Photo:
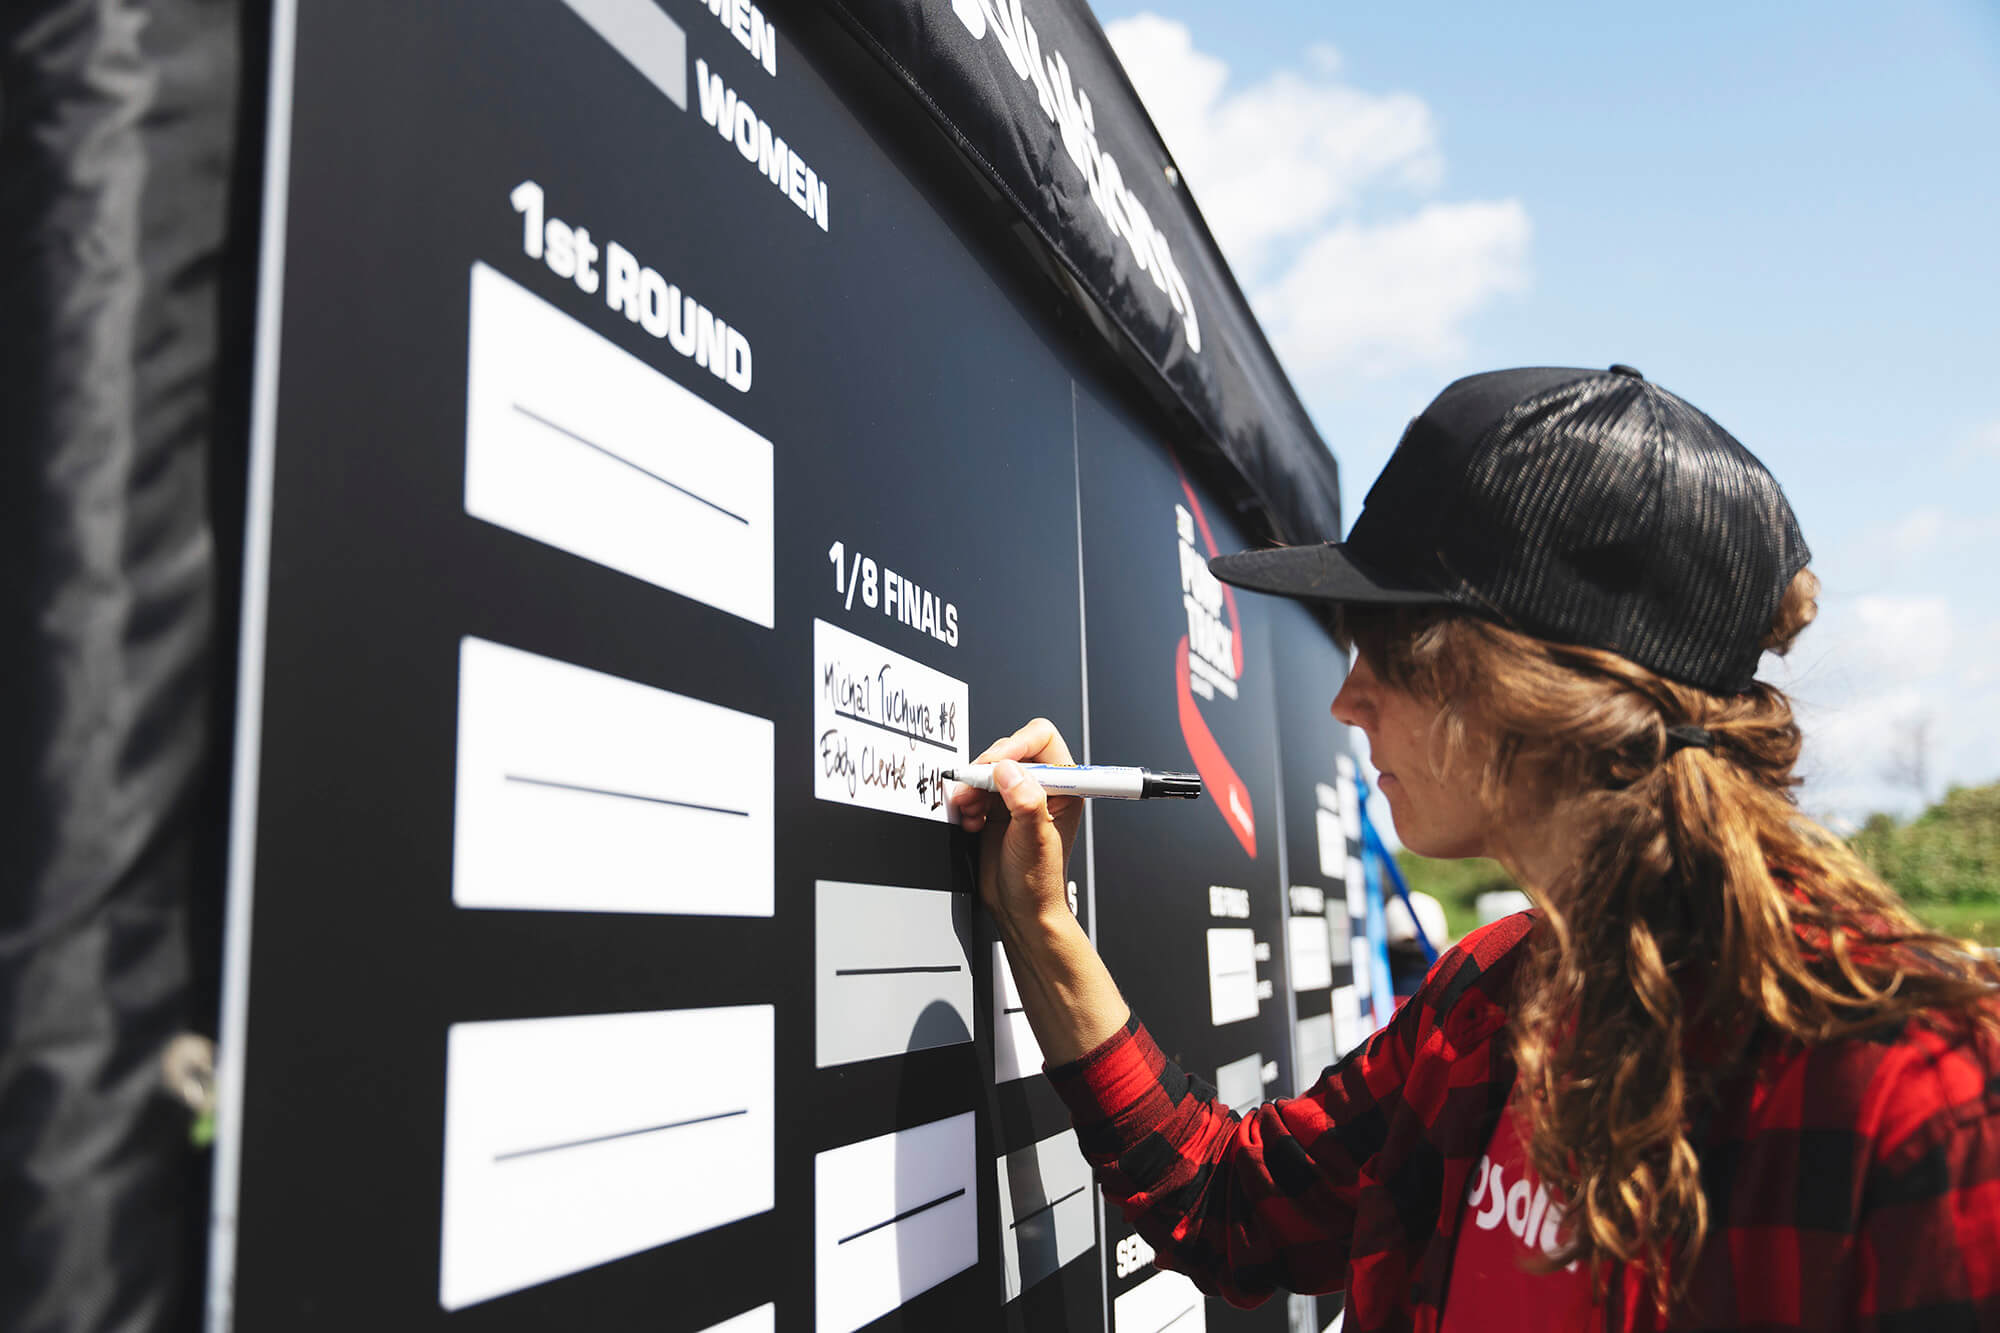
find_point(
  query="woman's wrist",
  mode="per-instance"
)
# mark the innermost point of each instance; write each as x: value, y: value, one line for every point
x: 1071, y: 1000
x: 1040, y: 926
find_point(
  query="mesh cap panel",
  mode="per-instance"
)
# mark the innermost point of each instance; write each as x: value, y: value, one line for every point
x: 1580, y: 506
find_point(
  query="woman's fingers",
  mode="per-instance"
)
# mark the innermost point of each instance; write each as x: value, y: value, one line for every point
x: 1032, y: 852
x: 970, y: 803
x: 1042, y: 744
x: 1036, y: 743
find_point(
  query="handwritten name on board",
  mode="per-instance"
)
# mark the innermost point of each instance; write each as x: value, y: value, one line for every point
x: 884, y: 727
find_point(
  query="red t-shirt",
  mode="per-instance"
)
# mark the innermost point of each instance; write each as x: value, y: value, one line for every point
x: 1508, y: 1213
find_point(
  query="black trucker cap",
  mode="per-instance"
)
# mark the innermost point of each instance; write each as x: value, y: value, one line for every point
x: 1581, y: 506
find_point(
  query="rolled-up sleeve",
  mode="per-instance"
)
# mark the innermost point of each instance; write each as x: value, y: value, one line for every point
x: 1244, y: 1205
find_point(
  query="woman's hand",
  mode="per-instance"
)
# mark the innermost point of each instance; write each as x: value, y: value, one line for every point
x: 1071, y: 1001
x: 1024, y: 857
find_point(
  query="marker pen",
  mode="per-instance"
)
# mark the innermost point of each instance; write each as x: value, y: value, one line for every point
x: 1131, y: 784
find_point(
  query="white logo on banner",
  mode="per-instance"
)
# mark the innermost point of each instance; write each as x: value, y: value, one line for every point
x: 1068, y: 109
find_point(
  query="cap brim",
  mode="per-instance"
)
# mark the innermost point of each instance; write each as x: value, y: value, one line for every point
x: 1325, y: 573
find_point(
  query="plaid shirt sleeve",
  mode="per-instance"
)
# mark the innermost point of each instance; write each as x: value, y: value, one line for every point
x: 1241, y: 1204
x: 1299, y: 1194
x: 1927, y: 1252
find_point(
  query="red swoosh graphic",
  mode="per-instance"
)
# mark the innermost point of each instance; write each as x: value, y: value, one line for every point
x: 1232, y: 798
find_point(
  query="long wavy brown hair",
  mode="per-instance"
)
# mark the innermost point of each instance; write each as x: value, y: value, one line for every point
x: 1700, y: 909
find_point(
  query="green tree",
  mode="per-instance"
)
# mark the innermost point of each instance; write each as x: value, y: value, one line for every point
x: 1945, y: 863
x: 1455, y: 884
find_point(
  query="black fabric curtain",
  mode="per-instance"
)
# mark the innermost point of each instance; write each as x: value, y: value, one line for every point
x: 123, y: 240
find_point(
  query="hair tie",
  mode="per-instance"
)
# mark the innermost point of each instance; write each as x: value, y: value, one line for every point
x: 1683, y: 737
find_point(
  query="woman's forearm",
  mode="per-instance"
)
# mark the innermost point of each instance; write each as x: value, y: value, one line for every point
x: 1025, y: 840
x: 1066, y: 991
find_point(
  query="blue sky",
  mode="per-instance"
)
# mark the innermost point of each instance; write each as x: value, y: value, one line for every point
x: 1785, y: 212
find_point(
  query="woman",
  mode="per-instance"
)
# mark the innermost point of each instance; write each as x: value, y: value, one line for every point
x: 1718, y: 1079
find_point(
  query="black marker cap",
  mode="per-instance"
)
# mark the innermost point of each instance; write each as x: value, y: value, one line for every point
x: 1184, y: 785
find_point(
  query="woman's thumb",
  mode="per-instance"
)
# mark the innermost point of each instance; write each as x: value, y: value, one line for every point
x: 1023, y: 795
x: 1033, y: 840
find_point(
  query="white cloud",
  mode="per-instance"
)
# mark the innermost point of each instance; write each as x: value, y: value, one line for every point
x: 1376, y: 299
x: 1906, y: 637
x: 1984, y: 441
x: 1915, y: 533
x: 1923, y: 643
x: 1315, y: 191
x: 1275, y: 160
x: 1981, y: 669
x: 1868, y: 675
x: 1929, y: 532
x: 1847, y: 748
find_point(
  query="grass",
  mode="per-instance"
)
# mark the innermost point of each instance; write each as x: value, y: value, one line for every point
x: 1972, y: 919
x: 1977, y: 920
x: 1455, y: 884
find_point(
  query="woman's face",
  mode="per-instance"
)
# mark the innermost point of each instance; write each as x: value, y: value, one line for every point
x: 1432, y: 798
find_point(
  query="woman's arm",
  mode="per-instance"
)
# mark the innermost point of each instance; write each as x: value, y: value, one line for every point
x: 1242, y: 1205
x: 1069, y: 997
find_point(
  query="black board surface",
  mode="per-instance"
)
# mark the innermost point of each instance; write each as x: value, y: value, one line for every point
x: 636, y: 529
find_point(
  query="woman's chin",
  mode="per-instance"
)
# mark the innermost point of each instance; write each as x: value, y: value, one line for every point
x: 1412, y: 838
x: 1437, y: 845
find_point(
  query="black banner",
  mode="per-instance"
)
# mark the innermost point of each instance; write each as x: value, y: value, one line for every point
x: 1033, y: 95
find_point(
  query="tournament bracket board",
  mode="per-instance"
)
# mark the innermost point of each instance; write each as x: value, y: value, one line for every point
x: 622, y: 571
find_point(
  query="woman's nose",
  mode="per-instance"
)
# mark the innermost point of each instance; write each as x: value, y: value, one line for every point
x: 1353, y: 705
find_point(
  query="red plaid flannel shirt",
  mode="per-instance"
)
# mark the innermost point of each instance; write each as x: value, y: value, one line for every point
x: 1854, y: 1185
